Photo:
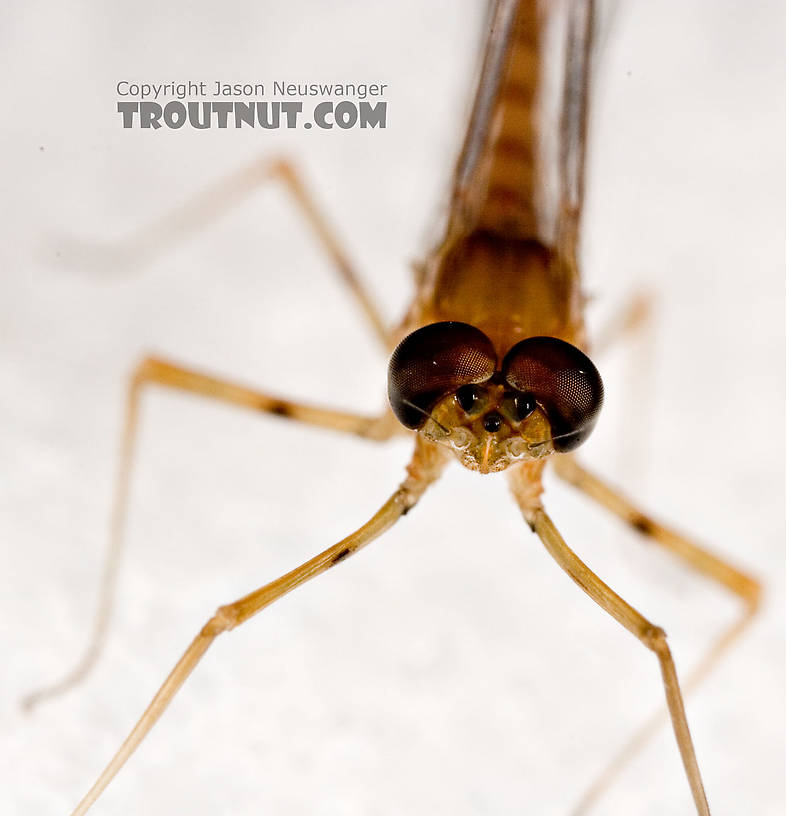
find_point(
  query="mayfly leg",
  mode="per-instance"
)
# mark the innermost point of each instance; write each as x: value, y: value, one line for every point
x: 425, y: 468
x: 152, y: 371
x: 155, y: 238
x: 222, y: 196
x: 650, y: 635
x: 705, y: 563
x: 633, y: 317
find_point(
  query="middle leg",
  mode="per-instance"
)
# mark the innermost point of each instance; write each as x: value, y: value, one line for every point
x: 154, y: 371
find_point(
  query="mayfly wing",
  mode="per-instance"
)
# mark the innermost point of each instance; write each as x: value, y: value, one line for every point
x: 521, y: 168
x: 498, y: 169
x: 573, y: 126
x: 512, y: 230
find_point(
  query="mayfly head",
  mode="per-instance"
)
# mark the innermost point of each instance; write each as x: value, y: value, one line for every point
x: 445, y: 382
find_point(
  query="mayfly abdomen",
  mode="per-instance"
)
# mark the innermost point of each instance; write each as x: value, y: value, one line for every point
x: 507, y: 263
x: 499, y: 171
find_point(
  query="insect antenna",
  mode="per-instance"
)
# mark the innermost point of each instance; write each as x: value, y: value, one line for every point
x: 426, y: 414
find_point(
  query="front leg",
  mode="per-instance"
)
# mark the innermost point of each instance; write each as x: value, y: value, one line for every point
x: 425, y: 467
x: 653, y: 637
x: 692, y: 555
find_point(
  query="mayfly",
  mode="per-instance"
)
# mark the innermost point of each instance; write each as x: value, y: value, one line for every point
x: 490, y: 365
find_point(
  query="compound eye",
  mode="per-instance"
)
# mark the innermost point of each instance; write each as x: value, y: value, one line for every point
x: 433, y: 362
x: 563, y: 380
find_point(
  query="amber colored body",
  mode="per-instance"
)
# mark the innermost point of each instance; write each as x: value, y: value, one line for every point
x: 507, y: 267
x: 506, y: 264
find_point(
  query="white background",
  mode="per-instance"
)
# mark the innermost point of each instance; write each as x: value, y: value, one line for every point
x: 451, y: 667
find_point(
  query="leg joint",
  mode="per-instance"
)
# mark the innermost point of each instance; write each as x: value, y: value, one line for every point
x: 282, y: 168
x: 224, y: 619
x: 753, y: 593
x: 146, y: 370
x: 654, y: 638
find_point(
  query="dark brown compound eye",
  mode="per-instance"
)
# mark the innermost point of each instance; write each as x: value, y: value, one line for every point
x: 431, y: 363
x: 563, y: 380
